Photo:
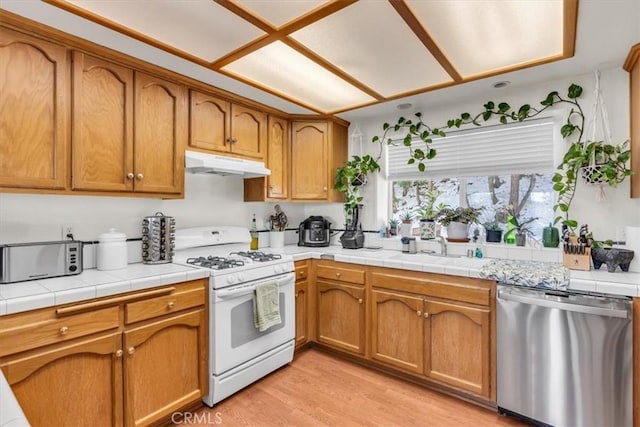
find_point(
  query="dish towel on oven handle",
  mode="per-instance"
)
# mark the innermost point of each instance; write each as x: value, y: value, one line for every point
x: 266, y: 306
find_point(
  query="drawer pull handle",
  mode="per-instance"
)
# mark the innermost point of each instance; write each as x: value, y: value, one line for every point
x: 64, y: 330
x: 419, y: 313
x: 131, y: 350
x: 119, y: 353
x: 360, y: 301
x: 170, y: 305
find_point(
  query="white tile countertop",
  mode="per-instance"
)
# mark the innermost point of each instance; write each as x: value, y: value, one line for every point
x: 92, y: 283
x: 601, y: 281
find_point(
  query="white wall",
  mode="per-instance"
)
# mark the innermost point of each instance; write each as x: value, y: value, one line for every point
x: 209, y: 200
x: 606, y: 219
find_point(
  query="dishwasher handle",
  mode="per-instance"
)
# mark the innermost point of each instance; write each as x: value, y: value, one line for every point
x: 578, y: 308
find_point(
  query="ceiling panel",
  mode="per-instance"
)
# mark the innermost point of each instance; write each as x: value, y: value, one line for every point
x: 331, y: 56
x: 482, y: 36
x: 201, y: 28
x: 380, y: 51
x: 279, y: 12
x: 283, y: 70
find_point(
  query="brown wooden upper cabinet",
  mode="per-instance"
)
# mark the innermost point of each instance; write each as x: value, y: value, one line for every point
x: 632, y: 65
x: 220, y: 126
x: 317, y: 149
x: 34, y: 112
x: 276, y: 185
x: 129, y: 129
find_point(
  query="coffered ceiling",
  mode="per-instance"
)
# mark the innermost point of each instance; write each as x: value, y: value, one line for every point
x: 331, y: 56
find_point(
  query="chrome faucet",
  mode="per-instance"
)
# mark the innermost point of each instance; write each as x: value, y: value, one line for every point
x: 443, y: 245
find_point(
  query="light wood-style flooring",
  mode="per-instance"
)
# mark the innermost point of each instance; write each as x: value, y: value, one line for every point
x: 319, y: 389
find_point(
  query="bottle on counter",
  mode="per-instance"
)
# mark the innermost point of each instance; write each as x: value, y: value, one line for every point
x: 254, y: 234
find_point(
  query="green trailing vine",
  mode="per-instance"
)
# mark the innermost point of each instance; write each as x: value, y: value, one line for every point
x: 418, y: 137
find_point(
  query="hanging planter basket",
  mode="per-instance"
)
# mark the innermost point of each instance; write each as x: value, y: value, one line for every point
x: 595, y: 174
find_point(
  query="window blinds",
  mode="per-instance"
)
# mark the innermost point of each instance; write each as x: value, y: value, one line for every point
x: 521, y: 148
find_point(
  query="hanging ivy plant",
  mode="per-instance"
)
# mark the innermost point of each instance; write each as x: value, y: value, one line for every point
x: 418, y: 136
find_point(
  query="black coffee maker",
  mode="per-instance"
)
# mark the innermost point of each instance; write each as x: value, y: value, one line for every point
x: 353, y: 236
x: 314, y: 231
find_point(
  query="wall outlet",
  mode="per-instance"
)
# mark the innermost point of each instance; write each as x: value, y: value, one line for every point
x: 66, y: 232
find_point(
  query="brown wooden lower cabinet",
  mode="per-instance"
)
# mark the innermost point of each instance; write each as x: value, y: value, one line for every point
x: 77, y: 384
x: 114, y: 374
x: 302, y: 308
x: 341, y: 316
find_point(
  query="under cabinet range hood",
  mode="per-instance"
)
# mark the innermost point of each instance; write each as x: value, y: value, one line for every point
x: 197, y: 162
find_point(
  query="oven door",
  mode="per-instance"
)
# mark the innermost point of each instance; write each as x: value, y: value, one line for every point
x: 234, y: 337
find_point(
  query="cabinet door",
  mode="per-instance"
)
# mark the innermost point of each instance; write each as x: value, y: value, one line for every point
x: 78, y: 384
x: 457, y: 345
x: 34, y: 105
x: 210, y: 122
x: 397, y: 330
x: 102, y: 141
x: 160, y: 135
x: 278, y: 158
x: 341, y: 316
x: 165, y: 367
x: 302, y: 313
x: 248, y: 132
x: 309, y: 160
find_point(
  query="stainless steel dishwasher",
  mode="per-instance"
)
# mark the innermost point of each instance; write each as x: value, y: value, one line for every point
x: 564, y: 359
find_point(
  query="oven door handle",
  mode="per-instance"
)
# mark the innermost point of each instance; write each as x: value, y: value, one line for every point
x: 248, y: 289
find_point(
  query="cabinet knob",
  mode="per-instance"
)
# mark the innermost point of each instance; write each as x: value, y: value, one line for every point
x: 139, y: 177
x: 324, y: 188
x: 119, y: 353
x: 338, y: 274
x: 170, y: 304
x: 64, y: 330
x: 419, y: 313
x: 130, y: 175
x: 131, y: 350
x: 360, y: 301
x: 426, y: 314
x: 297, y: 293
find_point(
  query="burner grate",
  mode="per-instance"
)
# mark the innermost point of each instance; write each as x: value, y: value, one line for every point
x: 215, y: 262
x: 257, y: 256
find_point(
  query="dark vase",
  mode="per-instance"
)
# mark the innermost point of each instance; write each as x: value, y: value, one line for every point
x: 494, y: 236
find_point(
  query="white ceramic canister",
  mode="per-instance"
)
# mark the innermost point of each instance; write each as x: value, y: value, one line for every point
x: 112, y: 250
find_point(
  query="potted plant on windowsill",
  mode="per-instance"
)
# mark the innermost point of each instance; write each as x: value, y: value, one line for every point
x: 426, y: 213
x: 494, y: 231
x: 406, y: 228
x: 457, y: 221
x: 520, y: 227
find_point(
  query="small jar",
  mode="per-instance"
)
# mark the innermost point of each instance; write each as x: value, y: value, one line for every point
x: 112, y: 250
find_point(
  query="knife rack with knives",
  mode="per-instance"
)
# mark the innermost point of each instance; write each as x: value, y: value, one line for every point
x: 577, y: 250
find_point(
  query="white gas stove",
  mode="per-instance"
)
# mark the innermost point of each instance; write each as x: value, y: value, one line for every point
x: 239, y: 353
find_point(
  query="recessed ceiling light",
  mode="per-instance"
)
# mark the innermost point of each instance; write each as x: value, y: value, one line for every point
x: 503, y: 83
x: 404, y: 106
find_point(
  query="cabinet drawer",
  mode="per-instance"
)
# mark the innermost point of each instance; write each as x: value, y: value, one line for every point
x: 302, y: 271
x: 50, y: 331
x: 150, y: 308
x: 349, y: 275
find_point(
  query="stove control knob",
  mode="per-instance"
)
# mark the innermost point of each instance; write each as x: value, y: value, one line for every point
x: 277, y: 268
x: 231, y: 279
x: 241, y: 277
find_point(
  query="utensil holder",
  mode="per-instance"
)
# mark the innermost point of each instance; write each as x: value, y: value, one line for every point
x: 158, y: 239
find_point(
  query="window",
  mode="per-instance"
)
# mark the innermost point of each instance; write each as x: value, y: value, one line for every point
x: 489, y: 168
